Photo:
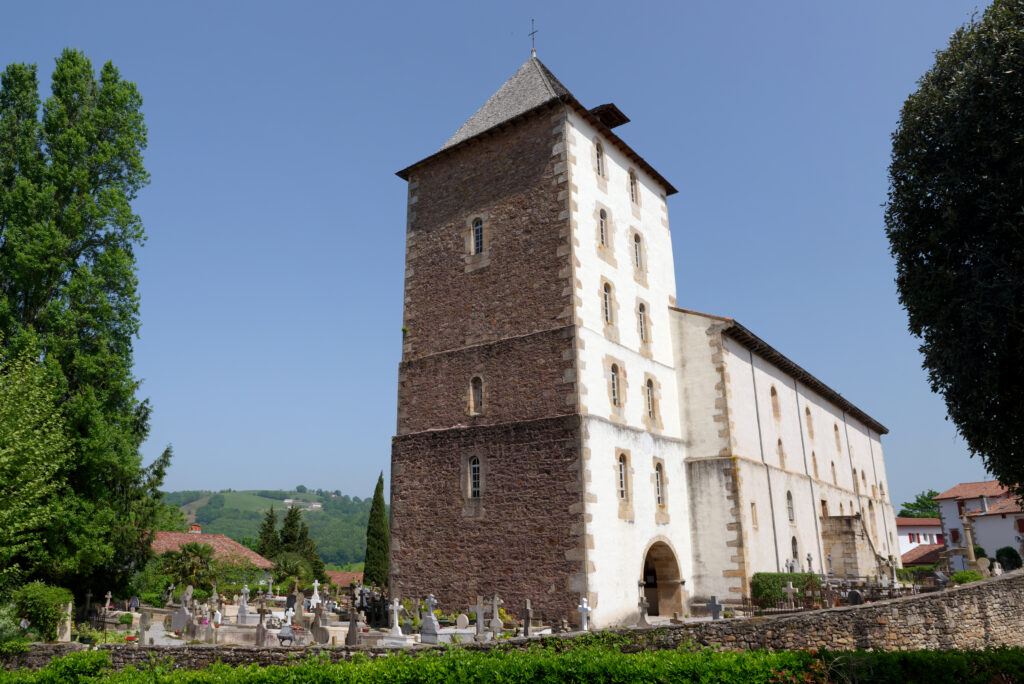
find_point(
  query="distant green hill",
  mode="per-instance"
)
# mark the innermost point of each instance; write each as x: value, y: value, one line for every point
x: 339, y: 529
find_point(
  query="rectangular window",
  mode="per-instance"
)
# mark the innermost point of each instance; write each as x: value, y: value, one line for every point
x: 1020, y: 525
x: 940, y: 539
x: 478, y: 238
x: 954, y: 536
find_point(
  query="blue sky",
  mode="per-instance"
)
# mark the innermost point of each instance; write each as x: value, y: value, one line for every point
x: 271, y: 281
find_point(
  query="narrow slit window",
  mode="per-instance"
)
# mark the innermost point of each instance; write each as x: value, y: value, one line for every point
x: 814, y: 465
x: 634, y: 194
x: 478, y: 236
x: 835, y: 480
x: 641, y: 313
x: 602, y: 222
x: 607, y: 303
x: 477, y: 392
x: 789, y: 506
x: 638, y: 260
x: 615, y: 385
x: 474, y: 478
x: 600, y: 159
x: 650, y: 399
x: 658, y: 485
x: 622, y: 477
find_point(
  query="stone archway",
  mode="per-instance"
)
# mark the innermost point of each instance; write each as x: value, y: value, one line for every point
x: 661, y: 581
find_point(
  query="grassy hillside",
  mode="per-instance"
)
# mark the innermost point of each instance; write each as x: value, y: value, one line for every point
x: 339, y: 530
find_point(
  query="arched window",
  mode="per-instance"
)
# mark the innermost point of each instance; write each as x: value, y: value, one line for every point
x: 782, y: 455
x: 839, y: 445
x: 835, y: 480
x: 814, y: 465
x: 789, y: 506
x: 478, y: 236
x: 796, y: 550
x: 809, y: 421
x: 622, y: 477
x: 881, y: 489
x: 641, y: 313
x: 753, y: 514
x: 474, y: 478
x: 638, y: 259
x: 864, y: 481
x: 602, y: 223
x: 856, y: 485
x: 874, y: 492
x: 776, y: 409
x: 650, y: 398
x: 841, y: 509
x: 607, y: 289
x: 615, y: 385
x: 634, y: 191
x: 476, y: 386
x: 871, y: 518
x: 600, y: 159
x: 658, y: 485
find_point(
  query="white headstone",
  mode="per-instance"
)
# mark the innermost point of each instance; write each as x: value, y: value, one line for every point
x: 396, y: 623
x: 584, y: 609
x: 288, y: 615
x: 315, y: 600
x: 462, y: 621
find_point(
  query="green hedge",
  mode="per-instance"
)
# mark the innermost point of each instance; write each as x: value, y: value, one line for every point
x: 589, y: 663
x: 965, y: 576
x: 44, y: 606
x: 766, y: 587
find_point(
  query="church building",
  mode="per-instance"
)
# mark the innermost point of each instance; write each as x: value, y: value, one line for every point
x: 565, y: 429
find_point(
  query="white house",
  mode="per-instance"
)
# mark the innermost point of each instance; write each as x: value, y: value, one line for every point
x: 973, y: 501
x: 912, y: 532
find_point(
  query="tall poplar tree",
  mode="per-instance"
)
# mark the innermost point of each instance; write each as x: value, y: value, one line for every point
x: 378, y: 539
x: 69, y: 171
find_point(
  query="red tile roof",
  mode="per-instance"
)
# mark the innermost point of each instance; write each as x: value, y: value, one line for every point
x: 1001, y: 507
x: 973, y: 490
x: 925, y: 554
x: 223, y: 547
x: 343, y: 578
x: 918, y: 522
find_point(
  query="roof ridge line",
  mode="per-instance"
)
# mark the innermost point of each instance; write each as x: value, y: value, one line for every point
x: 543, y: 78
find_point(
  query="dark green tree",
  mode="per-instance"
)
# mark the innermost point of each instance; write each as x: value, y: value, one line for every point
x: 1008, y: 558
x: 291, y: 530
x: 956, y: 229
x: 193, y: 564
x: 269, y: 544
x: 378, y: 539
x: 924, y: 505
x: 69, y: 171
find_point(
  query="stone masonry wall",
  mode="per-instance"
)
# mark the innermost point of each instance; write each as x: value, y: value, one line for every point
x: 523, y: 540
x: 524, y: 378
x: 522, y: 282
x: 973, y: 616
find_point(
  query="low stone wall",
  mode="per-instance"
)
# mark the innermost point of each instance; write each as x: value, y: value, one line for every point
x: 972, y: 616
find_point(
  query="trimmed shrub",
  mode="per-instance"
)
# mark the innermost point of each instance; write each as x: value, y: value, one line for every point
x: 979, y: 552
x: 965, y: 576
x: 1008, y: 558
x: 766, y: 587
x: 43, y: 605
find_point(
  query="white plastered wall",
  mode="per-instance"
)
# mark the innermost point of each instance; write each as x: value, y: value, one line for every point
x: 615, y: 558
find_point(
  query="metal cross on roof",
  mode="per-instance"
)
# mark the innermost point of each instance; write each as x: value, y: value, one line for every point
x: 533, y: 42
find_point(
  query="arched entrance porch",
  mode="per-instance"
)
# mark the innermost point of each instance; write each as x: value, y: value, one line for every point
x: 662, y: 581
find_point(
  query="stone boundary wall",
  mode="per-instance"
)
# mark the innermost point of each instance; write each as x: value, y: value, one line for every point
x: 972, y: 616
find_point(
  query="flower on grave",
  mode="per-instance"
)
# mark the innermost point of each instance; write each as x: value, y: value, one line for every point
x: 206, y: 622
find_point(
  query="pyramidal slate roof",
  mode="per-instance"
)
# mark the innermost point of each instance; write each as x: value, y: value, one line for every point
x: 530, y: 87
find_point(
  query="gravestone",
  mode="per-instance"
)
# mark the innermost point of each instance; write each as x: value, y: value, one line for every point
x: 584, y: 609
x: 64, y: 630
x: 106, y: 605
x: 286, y: 634
x: 641, y: 621
x: 462, y: 621
x: 854, y: 597
x: 314, y: 600
x: 495, y: 624
x: 288, y: 615
x: 715, y: 607
x: 396, y: 623
x: 429, y: 626
x: 261, y: 635
x: 527, y: 618
x: 217, y: 617
x: 210, y: 633
x: 317, y: 630
x: 183, y: 617
x: 478, y: 610
x: 289, y: 603
x: 242, y: 616
x: 983, y: 567
x: 133, y: 603
x: 145, y: 622
x: 352, y: 638
x: 997, y: 569
x: 789, y: 591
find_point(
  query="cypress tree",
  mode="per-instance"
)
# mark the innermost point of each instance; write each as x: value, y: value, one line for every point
x: 378, y: 539
x: 269, y: 544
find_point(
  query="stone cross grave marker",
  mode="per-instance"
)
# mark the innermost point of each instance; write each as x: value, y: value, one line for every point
x: 242, y: 617
x: 317, y: 629
x: 496, y: 626
x: 716, y: 608
x: 462, y: 621
x: 479, y: 609
x: 644, y: 605
x: 288, y: 615
x: 429, y: 627
x: 789, y: 591
x: 810, y: 563
x: 396, y: 623
x: 217, y: 617
x: 527, y: 618
x: 584, y: 609
x: 830, y: 570
x: 106, y: 605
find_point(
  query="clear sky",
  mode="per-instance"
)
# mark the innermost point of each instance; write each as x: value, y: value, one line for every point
x: 271, y: 281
